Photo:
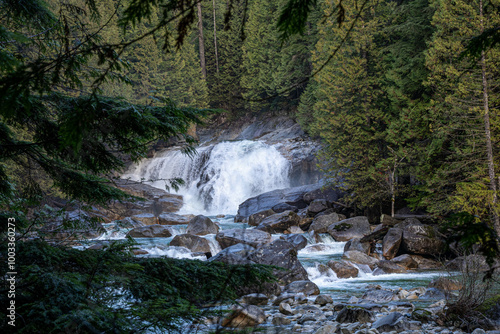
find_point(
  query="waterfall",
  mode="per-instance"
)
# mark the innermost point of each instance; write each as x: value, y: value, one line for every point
x: 219, y: 177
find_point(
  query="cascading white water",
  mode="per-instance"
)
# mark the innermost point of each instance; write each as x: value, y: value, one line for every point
x: 219, y: 177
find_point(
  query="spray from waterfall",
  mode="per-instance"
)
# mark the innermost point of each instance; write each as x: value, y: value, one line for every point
x: 219, y: 177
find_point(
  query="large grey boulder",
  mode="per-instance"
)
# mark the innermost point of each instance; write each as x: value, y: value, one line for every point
x: 172, y: 219
x: 317, y: 206
x: 326, y: 193
x: 343, y: 269
x: 421, y: 239
x: 236, y: 254
x: 356, y: 244
x: 320, y: 224
x: 355, y: 314
x: 235, y: 236
x: 306, y: 287
x: 405, y: 261
x: 201, y: 225
x: 348, y: 229
x: 191, y: 242
x: 293, y: 196
x: 392, y: 242
x: 256, y: 218
x: 282, y: 254
x: 150, y: 231
x: 360, y: 258
x: 297, y: 240
x: 244, y: 316
x: 279, y: 222
x: 390, y: 267
x: 392, y: 322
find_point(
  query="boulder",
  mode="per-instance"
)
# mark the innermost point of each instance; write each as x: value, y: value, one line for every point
x: 379, y: 295
x: 256, y: 218
x: 191, y: 242
x: 201, y: 225
x: 361, y: 258
x: 282, y: 207
x: 244, y: 316
x: 150, y: 231
x: 306, y: 287
x: 433, y: 293
x: 355, y: 244
x: 405, y: 261
x: 235, y: 236
x: 146, y: 218
x: 255, y: 299
x: 421, y: 239
x: 426, y: 263
x: 317, y: 206
x: 390, y: 267
x: 392, y: 242
x: 327, y: 193
x: 322, y: 300
x: 320, y: 224
x: 279, y: 222
x: 471, y: 263
x: 445, y: 284
x: 293, y: 196
x: 328, y: 328
x: 389, y: 323
x: 348, y: 229
x: 235, y: 254
x: 171, y: 203
x: 172, y: 219
x: 285, y: 309
x: 282, y: 254
x: 343, y: 269
x: 297, y: 240
x: 355, y: 314
x: 280, y: 320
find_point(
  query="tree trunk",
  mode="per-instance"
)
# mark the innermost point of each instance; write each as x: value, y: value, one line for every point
x: 215, y: 41
x: 201, y: 42
x: 487, y: 131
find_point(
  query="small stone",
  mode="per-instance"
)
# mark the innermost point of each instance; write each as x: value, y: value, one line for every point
x: 255, y: 299
x: 285, y: 309
x: 323, y: 300
x: 280, y: 320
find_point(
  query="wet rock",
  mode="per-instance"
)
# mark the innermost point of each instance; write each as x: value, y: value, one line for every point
x: 321, y: 223
x: 282, y: 207
x: 151, y: 231
x: 426, y: 263
x: 250, y: 237
x: 307, y: 317
x: 433, y: 293
x: 280, y: 320
x: 255, y: 299
x: 405, y: 261
x: 244, y: 316
x: 305, y: 223
x: 392, y: 242
x: 355, y: 244
x: 389, y: 323
x: 172, y: 219
x: 328, y: 329
x: 294, y: 230
x: 421, y: 239
x: 306, y: 287
x: 445, y: 284
x: 379, y: 295
x: 348, y: 229
x: 76, y: 227
x: 201, y: 225
x: 297, y: 240
x: 191, y: 242
x: 354, y: 314
x: 317, y: 206
x: 282, y: 254
x: 390, y: 267
x: 279, y: 222
x: 235, y: 254
x: 359, y: 257
x: 285, y: 309
x: 169, y: 203
x: 329, y: 194
x: 146, y: 218
x: 323, y: 300
x: 256, y: 218
x: 343, y: 269
x: 284, y: 297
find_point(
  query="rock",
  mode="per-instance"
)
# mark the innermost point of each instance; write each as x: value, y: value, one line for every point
x: 305, y: 223
x: 282, y: 207
x: 379, y: 295
x: 294, y: 230
x: 172, y: 219
x: 343, y: 269
x: 317, y: 248
x: 168, y: 203
x: 421, y: 239
x: 389, y: 323
x: 306, y: 287
x: 321, y: 223
x: 235, y: 254
x: 327, y: 193
x: 432, y: 293
x: 279, y: 222
x: 244, y: 316
x: 307, y: 317
x: 392, y: 242
x: 354, y: 314
x: 317, y: 206
x: 151, y: 231
x: 362, y: 258
x: 284, y: 297
x: 297, y: 240
x: 390, y: 267
x: 283, y: 254
x: 323, y: 300
x: 405, y: 261
x: 445, y: 284
x: 328, y: 329
x: 387, y: 220
x: 479, y: 331
x: 265, y: 201
x: 256, y: 218
x: 77, y: 226
x: 201, y: 225
x: 348, y: 229
x: 474, y: 262
x: 146, y: 218
x: 425, y: 263
x: 191, y: 242
x: 421, y: 315
x: 280, y: 320
x: 285, y: 309
x: 250, y: 237
x: 355, y: 244
x: 255, y: 299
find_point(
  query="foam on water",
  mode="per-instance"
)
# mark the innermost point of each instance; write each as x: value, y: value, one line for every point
x: 174, y: 252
